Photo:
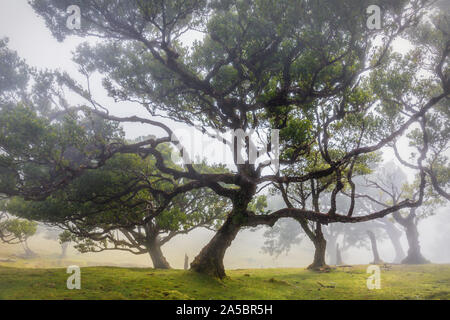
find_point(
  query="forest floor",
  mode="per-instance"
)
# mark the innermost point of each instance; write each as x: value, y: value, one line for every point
x: 398, y: 282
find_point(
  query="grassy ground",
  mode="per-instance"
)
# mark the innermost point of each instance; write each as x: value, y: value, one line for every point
x: 400, y: 282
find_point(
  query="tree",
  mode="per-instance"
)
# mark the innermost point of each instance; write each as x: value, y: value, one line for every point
x: 286, y: 233
x: 52, y: 233
x: 385, y: 225
x: 17, y: 231
x: 394, y: 234
x: 310, y: 69
x: 391, y: 184
x: 434, y: 131
x: 121, y: 206
x: 316, y: 195
x: 373, y: 242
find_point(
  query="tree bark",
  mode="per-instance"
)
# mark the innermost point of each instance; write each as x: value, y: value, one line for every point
x: 414, y: 252
x: 412, y: 234
x: 210, y: 260
x: 156, y: 254
x: 376, y: 255
x: 320, y: 245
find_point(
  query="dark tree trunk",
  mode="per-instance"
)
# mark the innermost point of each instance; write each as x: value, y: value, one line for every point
x: 412, y: 234
x: 210, y: 260
x: 155, y: 252
x: 338, y: 256
x: 414, y: 254
x: 320, y: 245
x: 373, y: 241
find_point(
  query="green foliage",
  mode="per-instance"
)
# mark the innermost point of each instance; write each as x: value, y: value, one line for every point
x: 127, y: 193
x: 20, y: 229
x: 14, y: 73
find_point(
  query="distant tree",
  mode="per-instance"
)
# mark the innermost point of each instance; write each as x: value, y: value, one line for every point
x: 186, y: 262
x: 339, y: 260
x: 382, y: 226
x: 373, y: 242
x: 391, y: 184
x: 17, y: 231
x: 394, y: 234
x: 286, y: 233
x: 53, y: 233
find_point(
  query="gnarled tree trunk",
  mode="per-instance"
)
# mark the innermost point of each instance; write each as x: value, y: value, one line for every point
x: 320, y: 245
x: 414, y: 254
x: 412, y: 234
x: 376, y: 255
x: 210, y: 259
x: 156, y: 255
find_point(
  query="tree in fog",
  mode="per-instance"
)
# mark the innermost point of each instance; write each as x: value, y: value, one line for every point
x: 17, y: 231
x: 315, y: 195
x: 310, y: 69
x: 391, y: 185
x: 126, y: 205
x: 381, y: 227
x: 340, y: 238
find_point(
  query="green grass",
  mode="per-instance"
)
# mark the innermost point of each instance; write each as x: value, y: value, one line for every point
x: 401, y: 282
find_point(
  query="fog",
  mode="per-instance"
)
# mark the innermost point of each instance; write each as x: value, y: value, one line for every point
x: 33, y: 42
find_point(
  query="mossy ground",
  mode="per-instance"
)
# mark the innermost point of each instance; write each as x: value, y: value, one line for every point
x: 400, y: 282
